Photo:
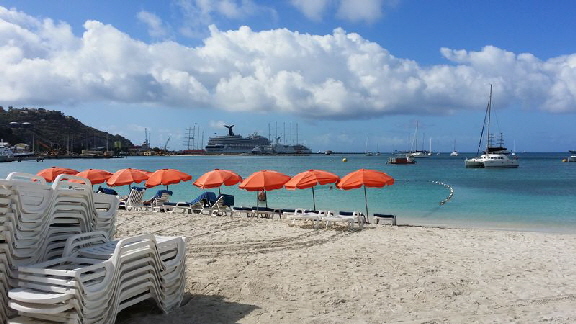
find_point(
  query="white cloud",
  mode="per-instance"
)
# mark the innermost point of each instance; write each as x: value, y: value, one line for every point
x: 217, y: 124
x: 200, y: 13
x: 335, y: 76
x: 155, y: 25
x: 356, y: 11
x: 312, y: 9
x: 360, y: 10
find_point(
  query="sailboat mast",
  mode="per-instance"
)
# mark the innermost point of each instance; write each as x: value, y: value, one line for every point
x: 485, y: 125
x: 489, y: 117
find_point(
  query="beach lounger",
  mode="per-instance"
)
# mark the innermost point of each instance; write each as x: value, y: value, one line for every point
x: 107, y: 191
x: 134, y: 199
x: 306, y: 215
x: 183, y: 207
x: 95, y: 279
x: 160, y: 198
x: 219, y: 208
x: 350, y: 218
x: 378, y: 218
x: 196, y: 206
x: 237, y: 211
x: 265, y: 212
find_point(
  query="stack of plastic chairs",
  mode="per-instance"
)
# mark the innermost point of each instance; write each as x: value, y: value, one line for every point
x: 36, y: 219
x: 95, y: 279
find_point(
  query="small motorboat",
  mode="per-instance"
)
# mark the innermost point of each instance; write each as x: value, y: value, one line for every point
x: 401, y: 159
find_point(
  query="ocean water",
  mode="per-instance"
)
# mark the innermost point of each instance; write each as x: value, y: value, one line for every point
x: 539, y: 195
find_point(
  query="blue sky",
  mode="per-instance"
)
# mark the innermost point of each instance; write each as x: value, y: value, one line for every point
x: 352, y: 74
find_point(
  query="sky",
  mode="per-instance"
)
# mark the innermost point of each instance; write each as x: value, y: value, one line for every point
x: 342, y: 75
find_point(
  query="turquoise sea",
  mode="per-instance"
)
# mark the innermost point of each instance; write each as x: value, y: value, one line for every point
x: 540, y: 195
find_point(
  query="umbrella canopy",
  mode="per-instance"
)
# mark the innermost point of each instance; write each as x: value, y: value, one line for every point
x: 166, y: 177
x: 51, y: 173
x: 310, y: 179
x: 217, y: 178
x: 95, y: 175
x: 264, y: 180
x: 365, y: 178
x: 145, y: 171
x: 127, y: 176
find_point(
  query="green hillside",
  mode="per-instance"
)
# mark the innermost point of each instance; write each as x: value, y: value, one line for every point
x: 52, y: 132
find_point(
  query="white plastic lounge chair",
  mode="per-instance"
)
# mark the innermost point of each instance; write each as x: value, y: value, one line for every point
x: 218, y: 208
x: 350, y: 218
x: 157, y: 203
x: 238, y: 211
x: 36, y: 220
x: 184, y: 207
x: 306, y: 215
x: 379, y: 218
x: 134, y: 200
x: 95, y: 282
x: 265, y: 212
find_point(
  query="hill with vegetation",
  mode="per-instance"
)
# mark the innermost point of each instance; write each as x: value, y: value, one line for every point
x: 51, y: 132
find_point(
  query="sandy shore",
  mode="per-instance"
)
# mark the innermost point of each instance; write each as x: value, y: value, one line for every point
x: 264, y: 271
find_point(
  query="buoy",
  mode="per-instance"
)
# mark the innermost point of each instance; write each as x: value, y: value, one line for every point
x: 344, y: 160
x: 564, y: 160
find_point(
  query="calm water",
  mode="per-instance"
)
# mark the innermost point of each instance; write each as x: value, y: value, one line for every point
x: 539, y: 195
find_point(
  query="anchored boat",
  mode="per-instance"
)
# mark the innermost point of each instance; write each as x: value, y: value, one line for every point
x: 495, y: 155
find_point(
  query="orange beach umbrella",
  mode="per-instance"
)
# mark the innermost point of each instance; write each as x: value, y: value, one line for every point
x: 365, y: 178
x: 310, y: 179
x: 264, y: 180
x: 126, y: 176
x: 217, y: 178
x: 95, y: 176
x: 166, y: 177
x: 51, y: 173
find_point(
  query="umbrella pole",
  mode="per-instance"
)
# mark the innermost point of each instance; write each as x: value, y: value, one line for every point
x: 366, y: 201
x: 313, y: 198
x: 266, y: 198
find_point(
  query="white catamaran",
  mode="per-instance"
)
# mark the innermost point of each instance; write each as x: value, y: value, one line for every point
x: 495, y: 156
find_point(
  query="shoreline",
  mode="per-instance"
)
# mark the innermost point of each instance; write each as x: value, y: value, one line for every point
x: 551, y: 227
x: 252, y: 271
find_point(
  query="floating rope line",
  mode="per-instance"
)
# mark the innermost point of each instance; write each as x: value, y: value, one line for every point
x: 447, y: 187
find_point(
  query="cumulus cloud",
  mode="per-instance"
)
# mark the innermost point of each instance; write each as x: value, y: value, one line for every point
x: 335, y: 76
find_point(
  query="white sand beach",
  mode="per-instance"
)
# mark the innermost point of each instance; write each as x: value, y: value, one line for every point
x: 264, y: 271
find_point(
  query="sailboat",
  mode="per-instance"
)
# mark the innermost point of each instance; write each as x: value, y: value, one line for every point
x: 367, y: 153
x: 415, y: 153
x: 495, y: 156
x: 454, y: 152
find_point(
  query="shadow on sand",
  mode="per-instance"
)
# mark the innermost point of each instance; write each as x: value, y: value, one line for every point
x: 194, y: 309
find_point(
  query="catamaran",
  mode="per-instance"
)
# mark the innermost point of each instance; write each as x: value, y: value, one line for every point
x: 495, y: 156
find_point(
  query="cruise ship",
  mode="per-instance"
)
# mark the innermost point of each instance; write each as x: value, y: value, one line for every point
x: 278, y: 148
x: 235, y: 144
